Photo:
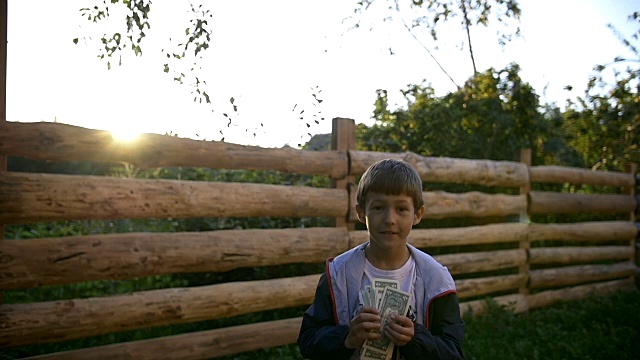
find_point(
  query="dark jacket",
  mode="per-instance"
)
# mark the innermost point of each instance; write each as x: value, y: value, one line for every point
x: 439, y: 336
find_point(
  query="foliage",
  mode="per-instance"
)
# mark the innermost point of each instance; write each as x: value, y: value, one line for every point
x: 492, y: 117
x: 604, y: 125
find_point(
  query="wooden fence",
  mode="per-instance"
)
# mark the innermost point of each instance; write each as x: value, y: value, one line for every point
x: 534, y: 265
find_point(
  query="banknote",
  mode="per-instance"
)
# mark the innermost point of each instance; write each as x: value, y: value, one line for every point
x: 379, y: 285
x: 372, y: 354
x: 393, y: 301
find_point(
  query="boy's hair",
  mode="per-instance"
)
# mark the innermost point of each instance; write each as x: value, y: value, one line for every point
x: 391, y: 177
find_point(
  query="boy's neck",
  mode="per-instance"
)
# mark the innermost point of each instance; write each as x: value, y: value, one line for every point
x: 387, y: 259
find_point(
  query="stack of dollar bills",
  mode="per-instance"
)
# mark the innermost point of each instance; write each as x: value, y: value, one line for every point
x: 385, y: 296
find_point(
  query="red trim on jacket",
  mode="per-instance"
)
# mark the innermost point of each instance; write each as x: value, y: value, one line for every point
x: 426, y: 320
x: 333, y: 297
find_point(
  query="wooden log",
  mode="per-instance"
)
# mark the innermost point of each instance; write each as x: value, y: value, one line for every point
x: 458, y: 236
x: 593, y: 231
x: 549, y: 297
x: 60, y: 142
x: 596, y: 231
x: 563, y: 174
x: 26, y: 198
x: 441, y: 205
x: 449, y: 170
x: 575, y: 254
x: 55, y: 261
x: 193, y: 346
x: 543, y: 202
x: 515, y: 302
x: 468, y: 288
x: 579, y: 274
x: 464, y: 263
x: 35, y: 323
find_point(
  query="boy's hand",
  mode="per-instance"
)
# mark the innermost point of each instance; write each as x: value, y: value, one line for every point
x: 361, y: 326
x: 399, y: 329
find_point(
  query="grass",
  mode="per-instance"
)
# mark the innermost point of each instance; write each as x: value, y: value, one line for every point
x: 599, y: 327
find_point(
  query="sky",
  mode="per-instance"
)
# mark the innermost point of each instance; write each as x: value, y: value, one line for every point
x: 272, y: 57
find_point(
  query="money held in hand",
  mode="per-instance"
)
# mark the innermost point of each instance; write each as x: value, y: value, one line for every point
x: 389, y: 300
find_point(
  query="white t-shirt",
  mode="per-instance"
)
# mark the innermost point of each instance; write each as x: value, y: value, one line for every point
x: 405, y: 276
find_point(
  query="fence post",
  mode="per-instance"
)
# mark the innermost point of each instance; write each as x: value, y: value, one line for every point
x: 343, y: 138
x: 525, y: 158
x: 632, y: 168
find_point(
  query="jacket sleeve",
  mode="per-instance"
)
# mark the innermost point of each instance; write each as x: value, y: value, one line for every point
x: 443, y: 340
x: 320, y: 337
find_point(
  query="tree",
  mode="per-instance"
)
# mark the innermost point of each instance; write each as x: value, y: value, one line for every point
x: 493, y: 116
x: 604, y: 125
x: 431, y: 14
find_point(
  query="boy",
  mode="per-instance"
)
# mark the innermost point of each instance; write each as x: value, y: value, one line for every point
x: 340, y: 324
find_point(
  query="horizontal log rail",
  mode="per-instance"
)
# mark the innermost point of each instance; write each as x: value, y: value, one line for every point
x: 469, y: 288
x: 513, y: 302
x: 193, y: 346
x: 579, y: 274
x: 464, y: 263
x: 27, y: 198
x: 449, y: 170
x: 242, y: 338
x: 596, y: 231
x: 441, y: 205
x: 61, y: 142
x: 36, y: 323
x: 592, y: 231
x: 56, y: 261
x: 563, y: 174
x: 576, y: 254
x: 545, y: 202
x: 549, y: 297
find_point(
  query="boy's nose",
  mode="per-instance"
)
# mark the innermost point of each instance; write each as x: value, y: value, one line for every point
x: 390, y: 217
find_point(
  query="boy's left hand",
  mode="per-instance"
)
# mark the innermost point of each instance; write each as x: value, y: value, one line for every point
x: 399, y: 329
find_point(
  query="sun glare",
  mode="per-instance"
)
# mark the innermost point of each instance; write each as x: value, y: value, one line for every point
x: 124, y: 134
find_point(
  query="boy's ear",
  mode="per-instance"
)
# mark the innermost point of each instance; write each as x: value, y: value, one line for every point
x: 360, y: 212
x: 418, y: 215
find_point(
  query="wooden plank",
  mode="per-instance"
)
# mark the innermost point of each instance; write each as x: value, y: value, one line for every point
x: 464, y: 263
x: 562, y: 174
x: 575, y: 254
x: 456, y: 236
x: 36, y: 323
x: 443, y: 169
x: 193, y: 346
x: 591, y: 231
x: 549, y: 297
x: 544, y: 202
x: 55, y: 261
x: 441, y: 205
x: 514, y: 302
x: 579, y: 274
x: 468, y: 288
x: 61, y: 142
x: 26, y: 198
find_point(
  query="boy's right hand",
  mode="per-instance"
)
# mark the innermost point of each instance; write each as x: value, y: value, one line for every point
x: 365, y: 325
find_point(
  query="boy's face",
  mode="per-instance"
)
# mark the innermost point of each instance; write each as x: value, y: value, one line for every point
x: 389, y: 218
